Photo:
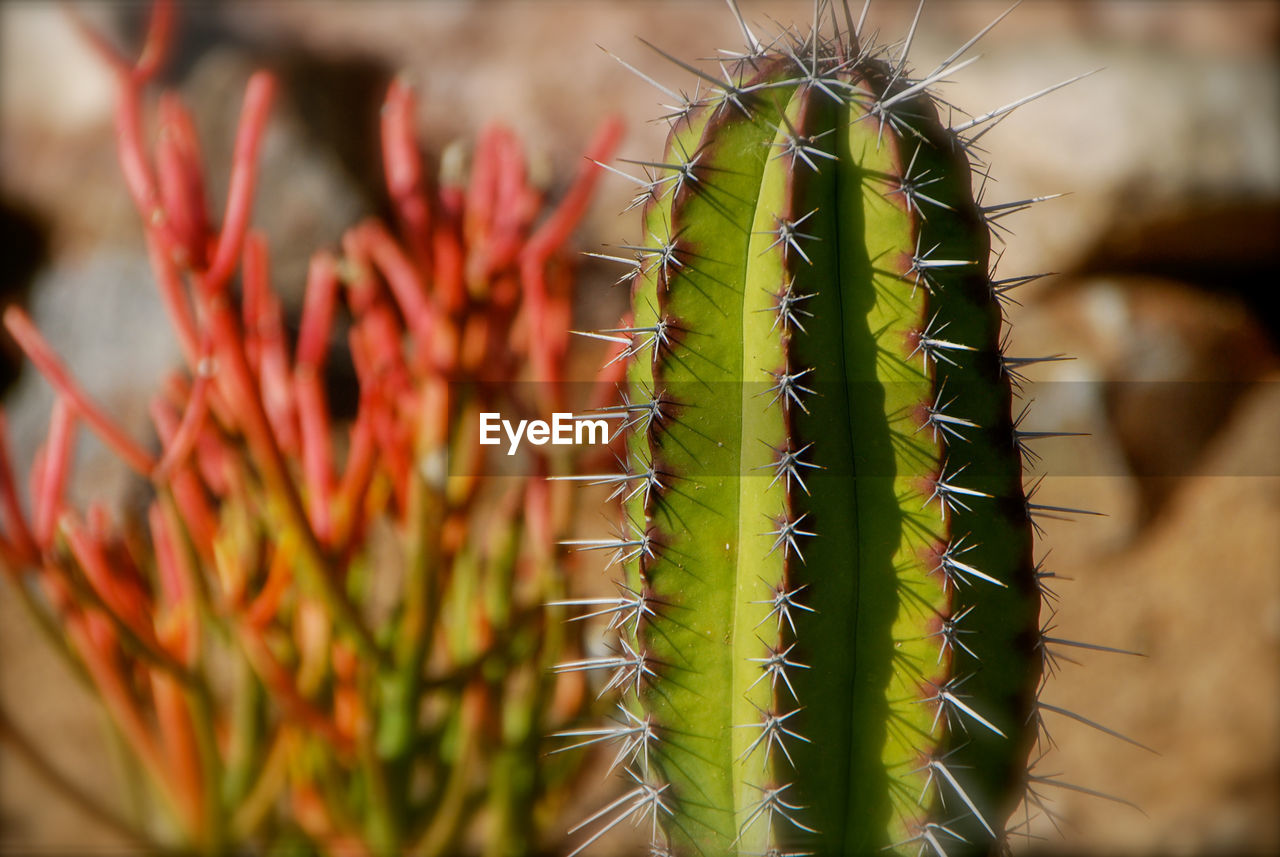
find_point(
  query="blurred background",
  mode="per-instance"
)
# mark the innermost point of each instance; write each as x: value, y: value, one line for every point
x: 1166, y: 261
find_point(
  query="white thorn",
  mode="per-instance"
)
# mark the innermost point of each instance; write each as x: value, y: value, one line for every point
x: 949, y: 495
x: 589, y: 334
x: 753, y: 44
x: 948, y: 701
x: 957, y: 572
x: 646, y: 78
x: 644, y: 799
x: 781, y: 603
x: 937, y: 765
x: 950, y: 633
x: 775, y: 667
x: 902, y: 95
x: 1014, y: 105
x: 773, y: 732
x: 789, y: 235
x: 788, y: 465
x: 862, y: 19
x: 1044, y: 706
x: 786, y: 536
x: 960, y: 51
x: 911, y: 34
x: 787, y: 389
x: 731, y: 92
x: 771, y: 803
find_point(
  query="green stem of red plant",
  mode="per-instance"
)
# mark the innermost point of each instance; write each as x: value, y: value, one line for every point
x: 286, y: 505
x: 447, y: 815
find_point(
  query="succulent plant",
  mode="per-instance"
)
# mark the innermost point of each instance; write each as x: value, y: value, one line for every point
x: 324, y: 635
x: 829, y: 635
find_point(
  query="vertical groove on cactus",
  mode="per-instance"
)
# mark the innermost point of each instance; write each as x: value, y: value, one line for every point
x: 832, y: 643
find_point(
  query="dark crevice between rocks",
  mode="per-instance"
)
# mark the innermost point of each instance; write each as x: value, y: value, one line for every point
x: 24, y: 250
x: 1227, y: 248
x: 1207, y: 272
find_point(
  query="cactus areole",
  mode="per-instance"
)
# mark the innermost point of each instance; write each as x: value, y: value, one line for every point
x: 827, y: 641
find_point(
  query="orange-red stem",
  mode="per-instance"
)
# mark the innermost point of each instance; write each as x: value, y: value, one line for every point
x: 244, y: 174
x: 39, y: 353
x: 402, y: 164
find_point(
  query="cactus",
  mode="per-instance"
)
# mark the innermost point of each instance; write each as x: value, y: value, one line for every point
x: 829, y: 635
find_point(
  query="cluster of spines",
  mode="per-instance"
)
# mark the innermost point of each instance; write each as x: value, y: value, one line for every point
x: 935, y: 435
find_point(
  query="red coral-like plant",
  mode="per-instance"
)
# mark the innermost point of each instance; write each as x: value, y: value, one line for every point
x: 235, y: 639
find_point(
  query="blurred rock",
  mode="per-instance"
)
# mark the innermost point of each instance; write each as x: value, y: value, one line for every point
x: 1225, y: 247
x: 103, y: 317
x: 49, y: 81
x: 1158, y: 368
x: 1148, y: 132
x: 1200, y: 596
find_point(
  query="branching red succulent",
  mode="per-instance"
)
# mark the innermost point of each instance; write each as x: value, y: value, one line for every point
x: 237, y: 644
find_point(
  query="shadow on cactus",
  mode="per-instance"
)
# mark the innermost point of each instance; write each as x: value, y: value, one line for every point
x: 322, y: 637
x: 832, y: 642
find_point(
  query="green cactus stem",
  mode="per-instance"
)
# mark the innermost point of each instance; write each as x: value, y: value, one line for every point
x: 829, y: 633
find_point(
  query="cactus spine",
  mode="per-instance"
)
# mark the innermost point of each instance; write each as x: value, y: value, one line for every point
x: 828, y: 641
